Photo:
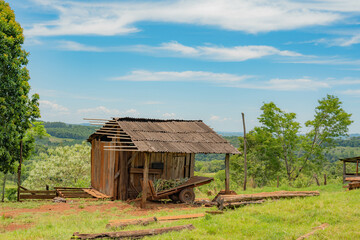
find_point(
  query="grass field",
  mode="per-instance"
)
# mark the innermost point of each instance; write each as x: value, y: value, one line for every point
x: 282, y: 219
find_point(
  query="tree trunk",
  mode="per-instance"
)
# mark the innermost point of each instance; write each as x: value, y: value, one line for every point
x: 19, y: 171
x: 3, y: 188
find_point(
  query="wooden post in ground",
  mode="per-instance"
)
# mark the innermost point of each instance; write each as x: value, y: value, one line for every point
x: 245, y: 160
x: 19, y: 171
x: 277, y: 185
x: 357, y: 167
x: 3, y: 188
x: 227, y: 174
x: 145, y: 181
x: 325, y: 179
x: 344, y: 171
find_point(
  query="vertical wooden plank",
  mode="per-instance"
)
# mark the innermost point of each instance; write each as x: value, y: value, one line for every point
x: 344, y: 171
x: 192, y: 164
x: 145, y: 181
x: 227, y: 174
x: 245, y: 159
x: 163, y: 160
x: 187, y: 166
x: 182, y: 160
x: 92, y: 163
x: 102, y: 189
x: 112, y: 170
x: 357, y: 168
x: 169, y: 160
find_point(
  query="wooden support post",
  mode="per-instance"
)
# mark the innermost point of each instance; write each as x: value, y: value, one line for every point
x: 357, y: 168
x: 227, y: 174
x: 277, y: 185
x: 19, y: 171
x: 145, y: 181
x: 325, y: 179
x: 245, y: 160
x: 344, y: 171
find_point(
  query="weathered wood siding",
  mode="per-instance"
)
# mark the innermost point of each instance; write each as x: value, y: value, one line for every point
x: 128, y: 167
x: 102, y: 167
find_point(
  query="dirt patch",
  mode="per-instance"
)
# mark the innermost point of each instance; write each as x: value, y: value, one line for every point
x: 74, y: 206
x: 15, y: 226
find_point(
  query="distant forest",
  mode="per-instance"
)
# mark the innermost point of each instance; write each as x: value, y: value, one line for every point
x: 63, y: 134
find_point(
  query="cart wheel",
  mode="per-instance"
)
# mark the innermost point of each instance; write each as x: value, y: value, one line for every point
x: 187, y: 195
x: 174, y: 197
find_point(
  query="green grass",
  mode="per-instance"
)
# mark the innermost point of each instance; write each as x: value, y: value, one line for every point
x: 282, y: 219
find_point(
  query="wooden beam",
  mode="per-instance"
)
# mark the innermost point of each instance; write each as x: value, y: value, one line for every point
x: 344, y: 171
x: 245, y: 160
x: 133, y: 156
x: 145, y: 181
x: 122, y: 150
x: 357, y: 167
x: 227, y: 174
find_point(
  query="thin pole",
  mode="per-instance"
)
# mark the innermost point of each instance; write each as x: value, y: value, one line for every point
x: 145, y: 181
x: 357, y: 167
x: 227, y: 174
x: 3, y: 188
x: 19, y: 171
x: 245, y: 160
x: 344, y: 171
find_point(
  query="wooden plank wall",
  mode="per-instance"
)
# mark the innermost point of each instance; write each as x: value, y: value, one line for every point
x: 176, y: 165
x: 105, y: 164
x: 102, y: 167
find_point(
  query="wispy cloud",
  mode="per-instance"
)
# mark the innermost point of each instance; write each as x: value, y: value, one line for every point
x: 216, y: 118
x: 192, y: 76
x: 229, y: 80
x: 352, y: 92
x: 169, y: 115
x: 51, y: 106
x: 175, y: 49
x: 106, y: 112
x: 116, y: 18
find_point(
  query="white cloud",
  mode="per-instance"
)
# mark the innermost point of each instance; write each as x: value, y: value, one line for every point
x: 115, y: 18
x: 233, y: 80
x: 213, y: 52
x: 354, y: 92
x: 75, y: 46
x: 105, y: 112
x: 148, y: 76
x: 218, y: 118
x: 169, y: 115
x: 175, y: 49
x: 51, y: 106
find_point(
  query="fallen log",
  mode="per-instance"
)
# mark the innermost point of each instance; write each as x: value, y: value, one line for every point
x: 145, y: 221
x: 214, y: 212
x: 180, y: 217
x: 260, y: 196
x: 238, y: 204
x: 132, y: 234
x: 128, y: 222
x: 322, y: 227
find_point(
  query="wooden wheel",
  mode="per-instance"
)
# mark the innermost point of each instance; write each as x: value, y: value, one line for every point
x: 187, y: 195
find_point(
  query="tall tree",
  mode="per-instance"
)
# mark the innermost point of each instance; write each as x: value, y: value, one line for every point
x: 298, y: 152
x: 17, y: 108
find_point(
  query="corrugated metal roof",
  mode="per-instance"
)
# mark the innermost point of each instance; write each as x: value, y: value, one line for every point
x: 176, y: 136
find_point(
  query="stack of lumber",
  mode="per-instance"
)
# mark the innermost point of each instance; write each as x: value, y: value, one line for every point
x: 354, y: 182
x: 72, y: 192
x: 231, y: 201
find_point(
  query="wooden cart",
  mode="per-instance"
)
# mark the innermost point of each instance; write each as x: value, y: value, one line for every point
x: 183, y: 193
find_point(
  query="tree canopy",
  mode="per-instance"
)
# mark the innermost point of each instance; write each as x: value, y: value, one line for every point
x: 17, y: 108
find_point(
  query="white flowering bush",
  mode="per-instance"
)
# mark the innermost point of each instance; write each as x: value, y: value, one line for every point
x: 67, y: 166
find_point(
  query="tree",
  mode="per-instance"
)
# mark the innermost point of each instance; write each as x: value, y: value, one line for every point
x: 17, y: 109
x: 303, y: 152
x: 62, y: 166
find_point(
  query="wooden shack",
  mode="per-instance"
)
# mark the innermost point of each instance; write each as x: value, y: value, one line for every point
x: 354, y: 161
x: 126, y: 152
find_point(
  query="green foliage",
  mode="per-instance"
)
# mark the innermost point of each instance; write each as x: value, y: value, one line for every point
x: 62, y: 166
x: 17, y: 109
x: 73, y: 131
x: 209, y: 166
x: 11, y: 194
x: 278, y: 149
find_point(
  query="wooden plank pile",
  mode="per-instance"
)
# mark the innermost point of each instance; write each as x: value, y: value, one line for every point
x: 354, y: 182
x: 71, y: 192
x: 232, y: 201
x: 37, y: 194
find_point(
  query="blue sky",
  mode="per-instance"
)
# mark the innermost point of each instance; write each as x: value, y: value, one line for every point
x: 208, y: 60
